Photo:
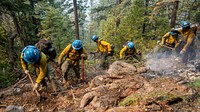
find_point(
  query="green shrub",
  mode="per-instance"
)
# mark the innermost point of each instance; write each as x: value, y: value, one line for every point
x: 131, y: 100
x: 6, y: 77
x: 195, y: 84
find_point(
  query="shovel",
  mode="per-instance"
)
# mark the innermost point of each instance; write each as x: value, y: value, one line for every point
x: 33, y: 85
x: 83, y: 71
x: 167, y: 47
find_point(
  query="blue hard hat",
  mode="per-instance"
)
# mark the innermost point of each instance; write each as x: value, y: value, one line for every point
x: 173, y: 32
x: 94, y: 37
x: 30, y: 54
x: 185, y: 24
x: 130, y: 45
x: 77, y: 45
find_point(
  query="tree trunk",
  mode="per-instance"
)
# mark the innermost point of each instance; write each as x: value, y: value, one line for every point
x: 118, y: 2
x: 11, y: 40
x: 76, y: 20
x: 11, y: 49
x: 35, y: 20
x: 174, y: 12
x: 18, y: 29
x: 145, y: 13
x: 118, y: 21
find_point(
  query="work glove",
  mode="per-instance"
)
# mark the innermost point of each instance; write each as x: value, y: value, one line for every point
x: 182, y: 51
x: 83, y: 56
x: 36, y: 87
x: 161, y: 43
x: 26, y: 71
x: 109, y: 54
x: 59, y: 63
x: 93, y: 52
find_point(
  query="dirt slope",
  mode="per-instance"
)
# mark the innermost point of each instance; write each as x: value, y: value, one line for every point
x: 123, y: 87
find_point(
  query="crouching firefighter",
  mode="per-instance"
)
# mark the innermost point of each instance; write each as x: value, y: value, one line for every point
x: 74, y: 53
x: 168, y: 43
x: 31, y: 55
x: 130, y: 52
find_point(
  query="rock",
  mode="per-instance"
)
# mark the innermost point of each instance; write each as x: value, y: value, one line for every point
x: 100, y: 80
x: 197, y: 67
x: 121, y: 68
x: 190, y: 75
x: 87, y: 98
x: 17, y: 91
x: 12, y: 108
x: 96, y: 103
x: 141, y: 70
x: 125, y: 109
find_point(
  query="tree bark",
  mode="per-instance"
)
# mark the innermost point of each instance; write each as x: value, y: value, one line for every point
x: 11, y: 41
x: 76, y: 20
x: 118, y: 21
x: 118, y: 2
x: 35, y: 20
x: 145, y: 13
x: 11, y: 49
x: 18, y: 29
x: 174, y: 12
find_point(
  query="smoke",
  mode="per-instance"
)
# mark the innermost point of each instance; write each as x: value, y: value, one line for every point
x: 161, y: 62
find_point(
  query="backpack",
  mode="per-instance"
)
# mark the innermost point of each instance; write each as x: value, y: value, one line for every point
x: 126, y: 43
x: 45, y: 46
x: 112, y: 50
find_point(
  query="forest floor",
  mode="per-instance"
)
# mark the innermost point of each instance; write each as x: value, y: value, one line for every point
x: 162, y: 85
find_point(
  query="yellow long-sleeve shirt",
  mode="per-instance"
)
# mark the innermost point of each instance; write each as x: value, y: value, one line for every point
x: 127, y: 51
x: 103, y: 46
x: 42, y: 65
x: 169, y: 40
x: 72, y: 54
x: 188, y: 38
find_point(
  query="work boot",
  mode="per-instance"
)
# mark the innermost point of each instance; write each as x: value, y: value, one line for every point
x: 77, y: 81
x: 42, y: 88
x: 65, y: 83
x: 55, y: 86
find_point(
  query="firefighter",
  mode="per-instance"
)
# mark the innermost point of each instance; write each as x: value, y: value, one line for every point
x: 73, y: 52
x: 186, y: 45
x: 31, y: 55
x: 129, y: 50
x: 105, y: 50
x: 168, y: 43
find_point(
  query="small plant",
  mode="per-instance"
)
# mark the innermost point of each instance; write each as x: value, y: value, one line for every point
x: 6, y: 77
x: 198, y: 101
x: 131, y: 100
x: 195, y: 84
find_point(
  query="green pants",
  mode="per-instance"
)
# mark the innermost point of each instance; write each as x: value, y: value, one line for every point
x: 66, y: 67
x: 51, y: 75
x: 104, y: 63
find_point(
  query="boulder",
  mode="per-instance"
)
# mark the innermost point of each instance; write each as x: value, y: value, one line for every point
x: 13, y: 108
x: 121, y: 68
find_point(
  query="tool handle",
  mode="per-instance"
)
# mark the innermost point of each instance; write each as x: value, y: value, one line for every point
x: 83, y: 71
x: 33, y: 84
x: 168, y: 47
